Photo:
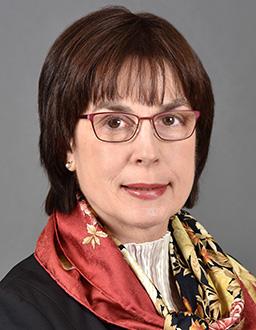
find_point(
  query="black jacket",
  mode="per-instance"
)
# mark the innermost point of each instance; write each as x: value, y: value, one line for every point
x: 31, y: 299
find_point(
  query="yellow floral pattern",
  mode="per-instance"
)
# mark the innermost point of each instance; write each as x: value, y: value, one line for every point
x: 94, y: 236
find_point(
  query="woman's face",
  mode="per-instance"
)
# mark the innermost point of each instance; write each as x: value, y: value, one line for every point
x: 103, y: 169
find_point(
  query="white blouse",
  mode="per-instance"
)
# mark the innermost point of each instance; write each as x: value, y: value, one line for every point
x: 153, y: 257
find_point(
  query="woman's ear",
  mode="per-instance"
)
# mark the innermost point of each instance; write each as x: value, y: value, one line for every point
x: 70, y: 164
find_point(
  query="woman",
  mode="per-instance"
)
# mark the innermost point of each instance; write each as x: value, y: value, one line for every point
x: 126, y: 112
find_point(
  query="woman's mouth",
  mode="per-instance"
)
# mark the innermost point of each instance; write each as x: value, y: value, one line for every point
x: 145, y: 191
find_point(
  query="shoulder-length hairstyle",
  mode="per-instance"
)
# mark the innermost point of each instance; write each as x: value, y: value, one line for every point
x: 82, y: 67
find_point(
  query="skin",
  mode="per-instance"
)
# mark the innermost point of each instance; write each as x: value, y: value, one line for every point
x: 102, y: 168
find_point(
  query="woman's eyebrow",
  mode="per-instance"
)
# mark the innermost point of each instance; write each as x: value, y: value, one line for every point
x: 123, y: 108
x: 112, y: 106
x: 174, y: 104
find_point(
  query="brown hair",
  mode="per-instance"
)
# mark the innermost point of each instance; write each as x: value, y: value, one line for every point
x: 83, y: 66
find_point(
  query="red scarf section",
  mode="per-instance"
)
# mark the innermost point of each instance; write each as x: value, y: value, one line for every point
x: 249, y: 313
x: 102, y: 280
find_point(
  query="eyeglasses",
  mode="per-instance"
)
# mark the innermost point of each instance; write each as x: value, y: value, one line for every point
x: 173, y: 125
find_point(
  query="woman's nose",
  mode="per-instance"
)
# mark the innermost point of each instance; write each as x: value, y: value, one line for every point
x: 146, y: 146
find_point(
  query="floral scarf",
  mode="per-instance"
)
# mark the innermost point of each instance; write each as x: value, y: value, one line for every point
x: 96, y: 270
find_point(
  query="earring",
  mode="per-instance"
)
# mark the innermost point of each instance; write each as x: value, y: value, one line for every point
x: 69, y: 165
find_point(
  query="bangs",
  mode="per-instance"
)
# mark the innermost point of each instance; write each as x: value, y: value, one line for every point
x: 144, y: 79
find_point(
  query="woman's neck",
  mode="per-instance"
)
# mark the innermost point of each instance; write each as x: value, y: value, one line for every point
x: 139, y: 235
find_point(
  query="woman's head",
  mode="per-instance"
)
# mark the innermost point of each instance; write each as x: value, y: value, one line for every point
x: 113, y: 55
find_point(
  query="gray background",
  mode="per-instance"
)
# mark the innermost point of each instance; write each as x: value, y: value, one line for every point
x: 223, y: 34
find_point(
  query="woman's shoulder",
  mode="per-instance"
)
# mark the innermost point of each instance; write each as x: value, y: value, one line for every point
x: 30, y: 298
x: 26, y: 278
x: 29, y: 280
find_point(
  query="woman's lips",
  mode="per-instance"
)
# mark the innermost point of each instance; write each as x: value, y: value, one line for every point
x: 145, y: 191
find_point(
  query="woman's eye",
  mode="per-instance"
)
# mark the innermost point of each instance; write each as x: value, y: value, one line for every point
x: 114, y: 122
x: 171, y: 120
